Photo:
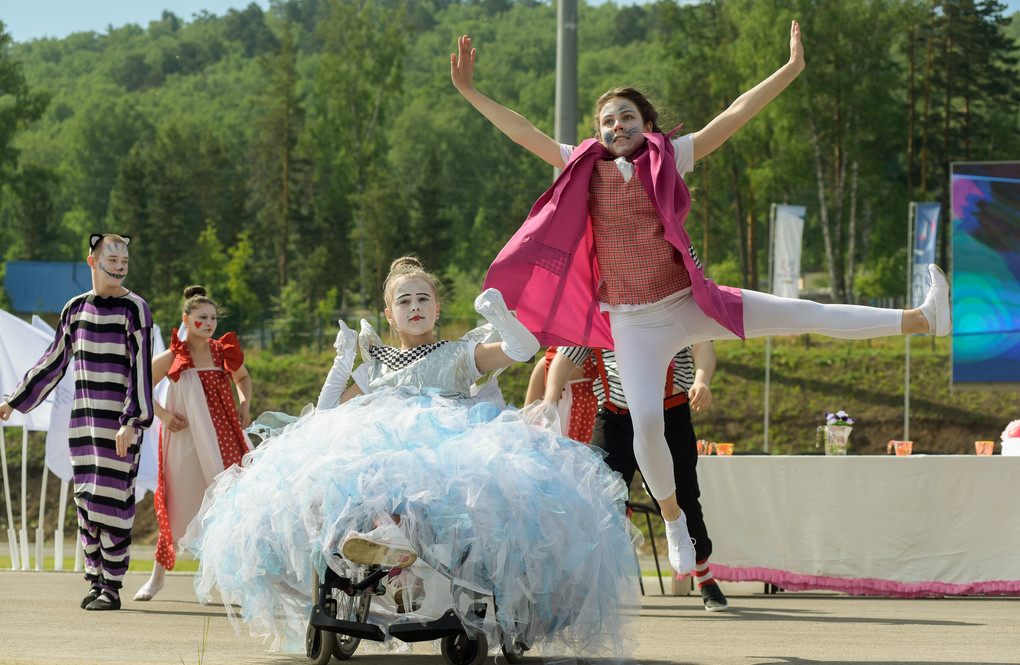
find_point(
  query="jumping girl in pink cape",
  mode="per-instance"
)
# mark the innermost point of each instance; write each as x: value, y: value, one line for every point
x: 603, y: 259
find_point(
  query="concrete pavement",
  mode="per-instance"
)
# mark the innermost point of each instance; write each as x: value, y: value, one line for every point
x: 41, y: 623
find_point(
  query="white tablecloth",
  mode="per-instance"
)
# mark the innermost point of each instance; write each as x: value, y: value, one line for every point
x: 923, y: 525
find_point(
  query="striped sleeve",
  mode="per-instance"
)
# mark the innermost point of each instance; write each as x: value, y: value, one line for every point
x: 576, y: 354
x: 138, y: 410
x: 46, y: 373
x: 683, y: 371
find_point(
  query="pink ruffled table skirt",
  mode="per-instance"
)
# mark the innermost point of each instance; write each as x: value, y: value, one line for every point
x: 907, y: 527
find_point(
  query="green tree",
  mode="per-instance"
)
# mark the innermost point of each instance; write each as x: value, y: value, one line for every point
x: 359, y: 78
x: 240, y: 277
x: 101, y: 135
x: 31, y: 225
x: 277, y: 170
x: 970, y: 75
x: 20, y: 105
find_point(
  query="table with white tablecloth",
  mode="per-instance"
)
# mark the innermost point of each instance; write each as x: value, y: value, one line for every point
x: 912, y: 526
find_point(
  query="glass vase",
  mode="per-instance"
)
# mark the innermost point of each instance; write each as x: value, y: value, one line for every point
x: 835, y: 439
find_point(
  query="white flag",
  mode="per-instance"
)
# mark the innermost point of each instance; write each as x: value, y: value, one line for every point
x: 789, y: 229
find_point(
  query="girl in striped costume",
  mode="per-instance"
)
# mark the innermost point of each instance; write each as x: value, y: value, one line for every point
x: 107, y: 334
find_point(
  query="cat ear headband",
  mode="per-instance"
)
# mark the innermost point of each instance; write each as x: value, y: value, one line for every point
x: 96, y: 237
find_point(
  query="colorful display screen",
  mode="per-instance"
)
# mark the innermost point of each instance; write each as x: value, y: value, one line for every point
x: 986, y: 274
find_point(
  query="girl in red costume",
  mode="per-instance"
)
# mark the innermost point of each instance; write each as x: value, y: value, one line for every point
x: 603, y: 259
x: 202, y: 432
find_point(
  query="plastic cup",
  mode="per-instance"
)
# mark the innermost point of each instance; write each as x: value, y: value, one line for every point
x: 724, y: 449
x: 704, y: 447
x: 900, y: 447
x: 984, y: 447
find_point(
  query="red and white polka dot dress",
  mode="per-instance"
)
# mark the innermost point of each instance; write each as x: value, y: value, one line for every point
x: 583, y: 404
x: 226, y: 354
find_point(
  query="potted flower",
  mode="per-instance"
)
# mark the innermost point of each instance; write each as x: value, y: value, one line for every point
x: 1011, y: 439
x: 837, y: 430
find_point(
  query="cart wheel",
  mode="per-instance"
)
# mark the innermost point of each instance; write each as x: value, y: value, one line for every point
x: 460, y: 649
x: 351, y: 608
x: 319, y: 645
x: 515, y: 655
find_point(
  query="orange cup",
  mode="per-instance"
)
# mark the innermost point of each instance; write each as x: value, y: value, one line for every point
x: 902, y: 447
x: 984, y: 447
x: 724, y: 449
x: 704, y: 447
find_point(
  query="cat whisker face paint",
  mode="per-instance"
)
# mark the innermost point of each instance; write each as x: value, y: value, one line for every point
x: 113, y: 260
x: 621, y: 127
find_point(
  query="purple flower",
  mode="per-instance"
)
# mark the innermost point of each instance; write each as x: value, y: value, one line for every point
x: 839, y: 418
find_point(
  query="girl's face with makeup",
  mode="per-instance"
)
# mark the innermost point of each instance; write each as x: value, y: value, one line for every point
x: 413, y: 311
x: 621, y: 128
x: 201, y: 321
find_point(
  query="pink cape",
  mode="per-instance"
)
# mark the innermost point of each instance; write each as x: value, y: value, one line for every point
x: 548, y: 271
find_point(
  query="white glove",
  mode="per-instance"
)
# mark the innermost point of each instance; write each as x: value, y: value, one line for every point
x: 518, y: 342
x: 367, y: 339
x: 336, y: 381
x: 542, y: 414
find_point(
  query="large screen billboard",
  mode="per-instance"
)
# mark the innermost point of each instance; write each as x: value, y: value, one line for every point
x: 986, y: 274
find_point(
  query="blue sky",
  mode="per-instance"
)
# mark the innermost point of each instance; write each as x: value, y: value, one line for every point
x: 31, y: 19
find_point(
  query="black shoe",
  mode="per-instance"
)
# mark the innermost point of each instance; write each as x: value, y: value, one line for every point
x: 713, y: 596
x: 93, y: 594
x: 102, y: 604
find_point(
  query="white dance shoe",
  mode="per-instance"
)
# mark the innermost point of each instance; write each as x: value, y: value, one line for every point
x: 384, y: 545
x: 681, y: 546
x: 936, y: 306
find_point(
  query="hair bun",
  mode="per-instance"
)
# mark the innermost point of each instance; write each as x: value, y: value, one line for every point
x: 406, y: 264
x: 192, y: 291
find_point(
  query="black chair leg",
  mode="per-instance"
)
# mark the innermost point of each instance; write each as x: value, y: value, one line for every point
x: 655, y: 553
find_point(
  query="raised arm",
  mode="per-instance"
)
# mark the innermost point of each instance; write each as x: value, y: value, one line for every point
x: 518, y: 344
x: 726, y: 124
x: 511, y: 123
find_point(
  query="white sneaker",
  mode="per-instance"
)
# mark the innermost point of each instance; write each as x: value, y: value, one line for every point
x: 384, y: 545
x: 681, y: 546
x: 936, y: 306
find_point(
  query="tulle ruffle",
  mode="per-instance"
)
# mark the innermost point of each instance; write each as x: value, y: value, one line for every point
x: 494, y: 505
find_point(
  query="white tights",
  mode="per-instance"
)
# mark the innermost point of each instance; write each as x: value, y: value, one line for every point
x: 648, y: 338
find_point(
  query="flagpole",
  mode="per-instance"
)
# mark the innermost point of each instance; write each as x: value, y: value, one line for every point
x: 768, y: 340
x: 911, y: 224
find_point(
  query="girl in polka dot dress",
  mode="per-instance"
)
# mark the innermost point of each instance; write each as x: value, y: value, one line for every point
x: 202, y: 431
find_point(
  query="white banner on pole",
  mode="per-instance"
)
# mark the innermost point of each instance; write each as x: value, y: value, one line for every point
x: 925, y: 232
x: 789, y: 231
x: 786, y: 229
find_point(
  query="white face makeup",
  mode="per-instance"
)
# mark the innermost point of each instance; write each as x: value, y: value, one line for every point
x: 621, y: 129
x: 414, y: 310
x: 201, y: 321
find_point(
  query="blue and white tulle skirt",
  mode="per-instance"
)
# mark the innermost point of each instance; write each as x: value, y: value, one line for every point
x: 492, y: 505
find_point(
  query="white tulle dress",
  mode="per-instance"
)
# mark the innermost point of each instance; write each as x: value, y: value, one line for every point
x: 491, y: 504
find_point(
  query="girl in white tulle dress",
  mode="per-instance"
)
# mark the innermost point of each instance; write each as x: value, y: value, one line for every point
x: 414, y: 461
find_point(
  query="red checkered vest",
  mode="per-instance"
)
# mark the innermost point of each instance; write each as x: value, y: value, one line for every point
x: 637, y: 264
